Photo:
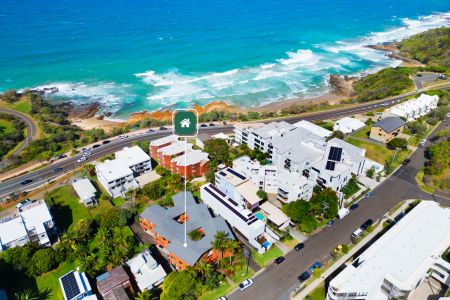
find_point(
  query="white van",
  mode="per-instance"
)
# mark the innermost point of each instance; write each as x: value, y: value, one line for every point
x: 343, y: 212
x: 357, y: 233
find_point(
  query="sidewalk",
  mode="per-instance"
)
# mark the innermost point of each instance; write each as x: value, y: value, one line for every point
x: 315, y: 283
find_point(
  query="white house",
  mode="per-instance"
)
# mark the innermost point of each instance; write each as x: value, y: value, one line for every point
x: 263, y: 176
x: 75, y: 286
x: 348, y: 125
x: 398, y: 262
x: 275, y: 215
x: 415, y: 108
x: 136, y: 159
x: 146, y: 271
x: 32, y: 223
x: 116, y: 177
x: 86, y: 192
x: 242, y: 219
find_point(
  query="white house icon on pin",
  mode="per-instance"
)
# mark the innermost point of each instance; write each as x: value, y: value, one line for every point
x: 185, y: 123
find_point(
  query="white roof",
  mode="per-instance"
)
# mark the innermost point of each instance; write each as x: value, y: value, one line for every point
x: 191, y: 158
x: 273, y: 129
x: 221, y: 136
x: 35, y: 215
x: 291, y: 179
x: 113, y: 169
x: 403, y: 255
x: 229, y: 175
x: 244, y: 126
x: 175, y: 148
x: 164, y: 140
x: 414, y: 105
x: 12, y: 230
x: 274, y: 214
x: 348, y: 125
x: 248, y: 190
x: 147, y: 178
x: 84, y: 188
x: 322, y: 132
x: 132, y: 156
x: 146, y: 270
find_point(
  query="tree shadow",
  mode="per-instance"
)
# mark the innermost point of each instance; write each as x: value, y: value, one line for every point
x: 62, y: 214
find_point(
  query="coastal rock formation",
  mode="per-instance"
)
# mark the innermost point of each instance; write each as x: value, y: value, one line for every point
x: 393, y: 52
x: 81, y: 111
x: 342, y: 85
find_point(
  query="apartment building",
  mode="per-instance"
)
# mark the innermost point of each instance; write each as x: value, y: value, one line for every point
x: 260, y: 138
x: 161, y: 143
x: 33, y: 222
x: 238, y: 187
x: 293, y: 186
x: 263, y: 176
x: 239, y: 217
x: 415, y: 108
x: 243, y: 132
x: 166, y: 154
x: 166, y: 226
x: 194, y: 163
x: 116, y: 177
x: 136, y: 159
x: 399, y: 261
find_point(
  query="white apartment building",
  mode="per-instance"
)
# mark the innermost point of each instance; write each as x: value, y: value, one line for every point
x: 32, y: 223
x: 263, y: 176
x: 293, y: 186
x: 415, y: 108
x: 86, y: 192
x: 146, y: 271
x: 348, y: 125
x: 240, y: 218
x: 116, y: 177
x: 398, y: 262
x: 136, y: 159
x: 260, y: 138
x: 313, y: 128
x: 243, y: 132
x: 237, y: 187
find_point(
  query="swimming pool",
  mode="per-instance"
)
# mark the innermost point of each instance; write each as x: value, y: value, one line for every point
x: 259, y: 216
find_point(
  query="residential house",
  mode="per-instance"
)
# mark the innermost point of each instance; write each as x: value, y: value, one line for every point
x: 240, y: 218
x: 146, y: 271
x: 348, y: 125
x: 386, y: 129
x: 32, y: 223
x: 136, y: 159
x: 116, y: 177
x: 75, y: 286
x: 274, y: 215
x: 201, y: 138
x: 401, y: 260
x: 86, y: 192
x: 114, y: 284
x: 167, y: 227
x: 415, y: 108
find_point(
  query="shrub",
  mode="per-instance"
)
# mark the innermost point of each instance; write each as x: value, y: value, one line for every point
x: 398, y: 143
x: 42, y: 261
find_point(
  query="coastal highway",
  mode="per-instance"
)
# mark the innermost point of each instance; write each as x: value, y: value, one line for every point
x: 277, y: 282
x: 45, y: 174
x: 31, y: 129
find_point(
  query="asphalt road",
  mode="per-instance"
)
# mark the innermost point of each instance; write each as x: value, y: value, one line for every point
x: 31, y: 129
x: 41, y: 176
x: 277, y: 282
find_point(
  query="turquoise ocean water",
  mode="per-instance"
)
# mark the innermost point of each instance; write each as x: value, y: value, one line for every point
x: 133, y: 55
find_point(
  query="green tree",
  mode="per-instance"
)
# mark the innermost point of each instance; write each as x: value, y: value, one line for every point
x: 112, y: 217
x: 83, y: 229
x: 398, y: 143
x: 218, y: 150
x: 325, y: 203
x: 154, y: 190
x: 26, y: 295
x: 370, y: 172
x: 179, y: 285
x: 19, y: 256
x: 417, y: 128
x: 195, y: 235
x: 42, y: 261
x: 9, y: 96
x: 220, y: 242
x: 262, y: 195
x: 439, y: 158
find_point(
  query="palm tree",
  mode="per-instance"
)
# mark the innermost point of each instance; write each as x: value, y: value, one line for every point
x: 203, y: 268
x: 26, y: 295
x: 232, y: 246
x: 219, y: 242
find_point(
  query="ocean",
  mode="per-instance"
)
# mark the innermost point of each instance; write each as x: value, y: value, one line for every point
x: 133, y: 55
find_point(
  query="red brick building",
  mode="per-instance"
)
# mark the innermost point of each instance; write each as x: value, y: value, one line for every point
x: 195, y: 163
x: 161, y: 143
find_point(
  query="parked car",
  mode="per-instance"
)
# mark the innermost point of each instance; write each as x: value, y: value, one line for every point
x: 203, y: 125
x: 222, y: 298
x: 212, y: 124
x: 406, y: 161
x: 316, y: 265
x: 23, y: 203
x: 245, y: 284
x: 96, y: 146
x: 366, y: 224
x: 354, y: 206
x: 26, y: 181
x: 87, y: 153
x: 150, y: 130
x: 279, y: 260
x: 84, y: 149
x: 106, y: 142
x: 123, y: 136
x: 61, y: 156
x: 299, y: 247
x: 330, y: 223
x: 162, y: 128
x: 304, y: 276
x: 56, y: 170
x: 399, y: 216
x: 81, y: 159
x: 369, y: 194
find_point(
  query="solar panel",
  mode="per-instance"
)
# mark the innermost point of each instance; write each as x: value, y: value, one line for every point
x: 226, y: 204
x: 253, y: 221
x: 335, y: 154
x: 70, y: 285
x: 236, y: 173
x: 217, y: 190
x: 330, y: 165
x: 222, y: 173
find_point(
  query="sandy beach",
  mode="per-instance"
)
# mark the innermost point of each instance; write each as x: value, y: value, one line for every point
x: 95, y: 122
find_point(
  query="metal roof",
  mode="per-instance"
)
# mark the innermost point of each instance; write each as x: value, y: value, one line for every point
x: 389, y: 124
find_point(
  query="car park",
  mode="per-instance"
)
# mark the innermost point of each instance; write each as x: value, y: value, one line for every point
x: 330, y: 223
x: 299, y: 247
x: 304, y: 276
x: 354, y: 206
x: 56, y: 170
x: 279, y: 260
x: 366, y: 224
x: 245, y: 284
x: 316, y: 265
x: 26, y: 181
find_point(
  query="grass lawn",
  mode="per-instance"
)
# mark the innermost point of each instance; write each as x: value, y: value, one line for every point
x: 222, y: 290
x: 318, y: 293
x: 264, y: 259
x: 6, y: 126
x: 49, y: 282
x: 241, y: 275
x: 363, y: 132
x: 376, y: 152
x: 119, y: 201
x: 23, y: 105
